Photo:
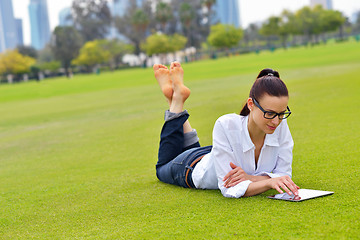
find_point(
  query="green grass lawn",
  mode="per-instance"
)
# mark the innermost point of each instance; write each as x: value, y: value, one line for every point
x: 77, y: 157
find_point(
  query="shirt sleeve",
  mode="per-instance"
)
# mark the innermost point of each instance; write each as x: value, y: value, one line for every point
x: 284, y: 158
x: 223, y: 154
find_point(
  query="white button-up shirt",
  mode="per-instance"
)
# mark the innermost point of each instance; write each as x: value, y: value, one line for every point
x: 232, y: 143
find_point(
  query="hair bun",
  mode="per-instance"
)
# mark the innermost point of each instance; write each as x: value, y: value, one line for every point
x: 268, y: 72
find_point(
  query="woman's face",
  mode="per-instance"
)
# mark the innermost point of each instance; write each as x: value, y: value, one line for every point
x: 271, y: 104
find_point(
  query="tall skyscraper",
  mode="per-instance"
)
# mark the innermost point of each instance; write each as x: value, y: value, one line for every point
x: 39, y: 23
x: 326, y: 4
x: 19, y: 30
x: 8, y: 32
x: 227, y: 12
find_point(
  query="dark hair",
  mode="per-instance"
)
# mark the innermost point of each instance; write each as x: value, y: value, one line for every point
x: 267, y: 82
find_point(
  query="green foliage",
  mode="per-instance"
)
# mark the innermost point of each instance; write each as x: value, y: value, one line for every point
x: 331, y: 20
x: 271, y: 27
x: 92, y: 18
x: 135, y: 23
x: 309, y: 22
x: 159, y: 43
x: 66, y: 44
x: 224, y: 36
x: 13, y: 62
x: 140, y: 20
x: 2, y: 66
x: 318, y: 20
x: 49, y: 66
x: 187, y: 14
x: 27, y: 51
x: 78, y: 157
x: 117, y: 50
x: 163, y: 13
x: 46, y: 54
x: 92, y: 53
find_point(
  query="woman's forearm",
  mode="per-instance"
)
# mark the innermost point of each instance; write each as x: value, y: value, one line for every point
x: 281, y: 184
x: 256, y: 188
x: 258, y: 178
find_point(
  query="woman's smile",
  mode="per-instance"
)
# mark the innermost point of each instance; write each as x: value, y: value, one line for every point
x: 271, y: 127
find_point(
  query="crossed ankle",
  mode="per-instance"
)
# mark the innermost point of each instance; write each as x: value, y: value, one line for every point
x: 171, y: 115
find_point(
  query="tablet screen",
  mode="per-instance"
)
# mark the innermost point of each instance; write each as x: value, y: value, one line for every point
x: 304, y: 194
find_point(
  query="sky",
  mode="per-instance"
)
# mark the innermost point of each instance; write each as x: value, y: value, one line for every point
x: 250, y: 10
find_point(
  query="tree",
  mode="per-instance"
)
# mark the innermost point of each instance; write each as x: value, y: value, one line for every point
x: 12, y: 62
x: 331, y: 21
x: 163, y: 14
x: 271, y: 28
x: 135, y: 23
x: 208, y: 4
x: 28, y: 51
x: 287, y: 26
x: 92, y: 18
x: 92, y: 54
x: 307, y: 22
x: 356, y: 27
x: 46, y: 55
x: 65, y: 44
x: 159, y: 43
x: 187, y: 15
x: 224, y: 36
x: 251, y: 34
x: 177, y: 42
x: 117, y: 50
x: 48, y: 67
x: 2, y: 66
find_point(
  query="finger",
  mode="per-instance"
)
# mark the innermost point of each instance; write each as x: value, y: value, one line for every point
x: 237, y: 182
x: 228, y: 175
x: 277, y: 188
x: 290, y: 184
x: 283, y: 186
x: 227, y: 182
x: 233, y: 166
x: 234, y: 179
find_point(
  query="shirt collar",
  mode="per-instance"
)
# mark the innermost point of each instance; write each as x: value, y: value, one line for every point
x: 270, y: 139
x: 246, y: 143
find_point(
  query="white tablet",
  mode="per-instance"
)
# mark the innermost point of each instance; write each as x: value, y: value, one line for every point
x: 304, y: 194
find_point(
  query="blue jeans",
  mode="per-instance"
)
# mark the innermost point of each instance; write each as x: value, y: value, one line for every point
x: 174, y: 157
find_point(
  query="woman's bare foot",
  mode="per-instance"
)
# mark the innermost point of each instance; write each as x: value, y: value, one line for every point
x: 177, y: 74
x: 162, y: 75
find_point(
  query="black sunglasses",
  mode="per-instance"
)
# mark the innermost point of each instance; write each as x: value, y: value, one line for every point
x: 272, y: 115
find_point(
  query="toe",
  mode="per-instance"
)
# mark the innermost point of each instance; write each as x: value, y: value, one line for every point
x: 156, y: 67
x: 177, y: 64
x: 162, y: 66
x: 172, y: 65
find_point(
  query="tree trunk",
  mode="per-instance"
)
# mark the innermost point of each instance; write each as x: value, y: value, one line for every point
x: 341, y: 32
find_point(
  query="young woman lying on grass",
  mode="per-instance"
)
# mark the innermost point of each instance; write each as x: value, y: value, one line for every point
x: 251, y: 152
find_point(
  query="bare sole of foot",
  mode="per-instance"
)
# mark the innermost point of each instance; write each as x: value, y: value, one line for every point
x: 177, y: 75
x: 162, y: 75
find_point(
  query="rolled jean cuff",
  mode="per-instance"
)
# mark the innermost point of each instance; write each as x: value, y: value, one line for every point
x: 190, y: 138
x: 170, y: 115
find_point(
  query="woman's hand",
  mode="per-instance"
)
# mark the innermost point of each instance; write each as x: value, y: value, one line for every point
x: 284, y: 183
x: 235, y: 176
